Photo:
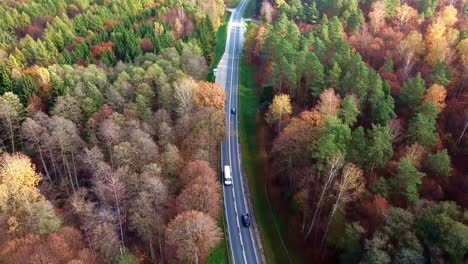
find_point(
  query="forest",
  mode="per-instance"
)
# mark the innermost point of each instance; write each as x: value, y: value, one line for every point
x: 365, y: 111
x: 109, y: 131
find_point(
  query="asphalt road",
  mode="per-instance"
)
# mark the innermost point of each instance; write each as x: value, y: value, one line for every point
x: 242, y: 239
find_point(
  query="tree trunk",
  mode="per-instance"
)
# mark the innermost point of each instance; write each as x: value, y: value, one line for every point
x: 331, y: 176
x: 463, y: 132
x: 12, y: 137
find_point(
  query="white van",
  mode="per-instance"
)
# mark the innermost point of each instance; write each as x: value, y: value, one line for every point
x: 227, y: 175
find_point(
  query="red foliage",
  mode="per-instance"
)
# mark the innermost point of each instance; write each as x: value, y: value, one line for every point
x: 65, y: 246
x: 195, y: 169
x: 305, y: 27
x: 102, y: 114
x: 36, y: 28
x: 146, y: 45
x: 100, y: 48
x: 372, y: 211
x: 110, y: 24
x: 35, y: 104
x: 431, y: 190
x: 72, y: 11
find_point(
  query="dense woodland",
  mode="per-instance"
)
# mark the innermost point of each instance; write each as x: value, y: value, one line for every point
x: 108, y: 131
x: 367, y: 110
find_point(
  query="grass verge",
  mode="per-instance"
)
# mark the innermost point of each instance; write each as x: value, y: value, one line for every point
x: 254, y: 164
x: 219, y: 254
x: 221, y: 36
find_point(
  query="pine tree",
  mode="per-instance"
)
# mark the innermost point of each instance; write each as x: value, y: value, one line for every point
x: 412, y: 92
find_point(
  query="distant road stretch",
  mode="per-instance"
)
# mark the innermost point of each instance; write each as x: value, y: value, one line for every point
x: 243, y: 245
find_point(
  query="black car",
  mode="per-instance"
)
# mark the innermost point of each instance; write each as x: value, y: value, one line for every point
x: 233, y: 110
x: 246, y: 219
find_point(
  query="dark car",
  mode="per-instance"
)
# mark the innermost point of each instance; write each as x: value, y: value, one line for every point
x: 246, y: 220
x: 233, y: 110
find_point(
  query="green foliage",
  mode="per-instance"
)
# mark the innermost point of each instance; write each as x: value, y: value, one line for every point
x: 349, y: 111
x: 25, y: 87
x: 333, y: 143
x: 357, y: 151
x: 391, y: 6
x: 126, y: 258
x: 379, y: 146
x: 439, y: 163
x: 6, y: 83
x: 356, y: 79
x: 42, y: 218
x: 428, y: 7
x: 412, y: 92
x: 422, y: 126
x: 126, y: 42
x: 441, y: 73
x: 350, y: 243
x: 311, y: 14
x: 381, y: 187
x: 206, y: 38
x: 441, y: 226
x: 406, y: 180
x: 315, y: 71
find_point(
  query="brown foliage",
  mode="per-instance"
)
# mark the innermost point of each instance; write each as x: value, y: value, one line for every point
x: 203, y: 197
x: 62, y: 247
x: 146, y: 45
x: 192, y: 234
x: 210, y: 95
x: 181, y: 23
x: 72, y: 11
x: 194, y: 169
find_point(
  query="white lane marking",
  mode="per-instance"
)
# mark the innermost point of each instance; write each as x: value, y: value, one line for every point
x: 232, y: 48
x: 225, y: 206
x: 241, y: 26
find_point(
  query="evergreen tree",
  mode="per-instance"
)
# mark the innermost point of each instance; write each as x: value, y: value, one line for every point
x: 407, y: 180
x: 6, y: 84
x: 441, y: 73
x: 422, y: 126
x: 349, y: 111
x: 206, y: 38
x: 379, y: 146
x: 439, y: 163
x: 357, y: 150
x: 412, y: 92
x: 25, y: 87
x: 316, y: 71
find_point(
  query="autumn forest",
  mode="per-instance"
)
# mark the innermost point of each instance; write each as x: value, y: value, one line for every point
x: 110, y: 127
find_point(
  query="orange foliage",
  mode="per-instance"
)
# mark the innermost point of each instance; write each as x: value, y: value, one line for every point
x: 210, y: 95
x: 110, y: 24
x: 63, y: 247
x: 100, y: 48
x: 192, y: 234
x: 436, y: 94
x: 195, y: 169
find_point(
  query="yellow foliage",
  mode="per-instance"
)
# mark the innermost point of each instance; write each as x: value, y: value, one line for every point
x: 280, y: 106
x: 18, y: 181
x: 436, y: 94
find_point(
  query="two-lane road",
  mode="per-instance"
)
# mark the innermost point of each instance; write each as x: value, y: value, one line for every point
x: 244, y: 248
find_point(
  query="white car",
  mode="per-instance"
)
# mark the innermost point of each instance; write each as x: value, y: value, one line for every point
x: 227, y: 175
